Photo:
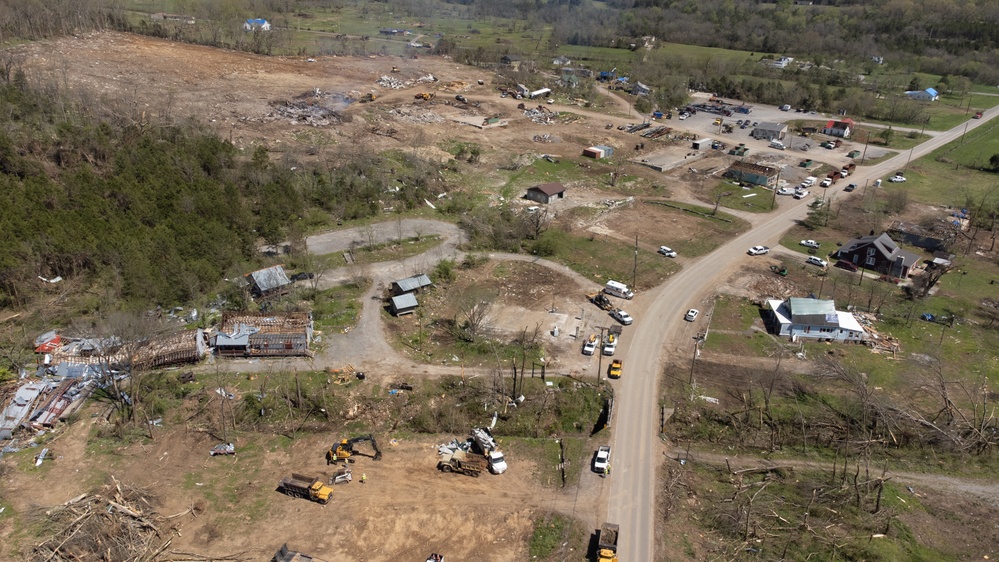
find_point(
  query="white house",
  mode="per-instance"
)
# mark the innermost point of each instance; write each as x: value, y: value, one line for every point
x: 257, y: 24
x: 782, y: 62
x: 929, y: 94
x: 813, y: 319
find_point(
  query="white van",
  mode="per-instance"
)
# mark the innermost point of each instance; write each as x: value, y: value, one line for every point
x: 777, y: 144
x: 809, y: 181
x: 618, y: 290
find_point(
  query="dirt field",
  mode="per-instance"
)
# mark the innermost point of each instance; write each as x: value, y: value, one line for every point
x: 405, y: 510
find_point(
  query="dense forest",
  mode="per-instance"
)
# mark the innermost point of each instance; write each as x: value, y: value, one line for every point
x: 160, y: 213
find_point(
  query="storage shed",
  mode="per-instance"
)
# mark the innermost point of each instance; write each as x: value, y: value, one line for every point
x: 404, y: 304
x: 546, y: 192
x: 701, y: 144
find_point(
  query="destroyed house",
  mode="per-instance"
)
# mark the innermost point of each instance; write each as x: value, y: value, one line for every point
x: 257, y: 334
x: 268, y: 281
x: 187, y: 346
x: 413, y: 284
x: 753, y: 173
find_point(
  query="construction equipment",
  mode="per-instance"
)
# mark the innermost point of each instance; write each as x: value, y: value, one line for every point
x: 366, y: 98
x: 487, y: 445
x: 601, y: 301
x: 341, y: 476
x: 779, y: 270
x: 307, y: 487
x: 345, y: 449
x: 395, y: 69
x: 607, y: 543
x: 426, y: 96
x: 461, y: 98
x: 463, y: 463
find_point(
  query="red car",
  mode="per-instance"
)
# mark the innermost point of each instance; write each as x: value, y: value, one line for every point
x: 849, y: 266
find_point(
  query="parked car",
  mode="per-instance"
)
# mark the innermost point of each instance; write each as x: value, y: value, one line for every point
x: 812, y: 260
x: 684, y: 116
x: 759, y: 250
x: 850, y: 187
x: 809, y: 243
x: 691, y: 315
x: 667, y: 251
x: 590, y: 347
x: 826, y: 182
x: 897, y: 178
x: 602, y: 459
x: 849, y: 266
x: 800, y: 194
x: 622, y: 317
x: 785, y: 191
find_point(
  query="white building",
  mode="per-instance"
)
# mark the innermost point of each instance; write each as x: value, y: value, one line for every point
x: 257, y: 24
x: 814, y: 319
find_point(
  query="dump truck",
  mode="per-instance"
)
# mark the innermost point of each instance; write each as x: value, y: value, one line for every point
x: 366, y: 98
x: 462, y: 463
x: 426, y: 95
x: 607, y: 543
x: 307, y: 487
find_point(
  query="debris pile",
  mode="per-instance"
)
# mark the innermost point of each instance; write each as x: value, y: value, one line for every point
x: 547, y: 137
x: 307, y: 113
x: 415, y: 115
x: 426, y: 79
x: 109, y: 524
x: 541, y: 115
x: 454, y: 446
x: 389, y: 82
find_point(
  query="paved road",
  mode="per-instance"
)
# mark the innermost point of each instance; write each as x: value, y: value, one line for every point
x: 636, y: 429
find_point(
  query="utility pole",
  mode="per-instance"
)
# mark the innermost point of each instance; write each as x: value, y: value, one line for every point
x: 867, y: 140
x: 697, y: 341
x: 634, y: 270
x: 600, y: 353
x: 965, y: 129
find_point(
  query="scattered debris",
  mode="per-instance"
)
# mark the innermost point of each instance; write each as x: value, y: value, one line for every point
x: 316, y: 108
x: 542, y: 115
x: 416, y: 115
x: 389, y: 82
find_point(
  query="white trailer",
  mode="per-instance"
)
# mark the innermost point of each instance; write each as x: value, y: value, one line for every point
x: 618, y: 290
x: 542, y: 92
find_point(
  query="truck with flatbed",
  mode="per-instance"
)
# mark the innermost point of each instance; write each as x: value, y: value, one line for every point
x: 307, y: 487
x: 607, y: 543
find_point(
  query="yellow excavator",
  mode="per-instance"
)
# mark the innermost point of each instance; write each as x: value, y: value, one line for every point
x: 343, y: 450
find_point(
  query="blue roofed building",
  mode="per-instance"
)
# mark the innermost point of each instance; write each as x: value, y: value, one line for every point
x: 929, y: 94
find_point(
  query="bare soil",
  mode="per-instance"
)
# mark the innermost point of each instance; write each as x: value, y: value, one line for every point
x: 406, y: 509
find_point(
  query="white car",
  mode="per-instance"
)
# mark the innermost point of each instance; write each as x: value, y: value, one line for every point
x: 609, y: 347
x: 691, y: 315
x: 810, y: 244
x: 785, y: 191
x: 590, y: 347
x: 897, y: 178
x: 800, y: 194
x: 667, y: 251
x: 684, y: 116
x: 759, y: 250
x: 622, y: 317
x: 602, y: 459
x: 826, y: 182
x: 812, y: 260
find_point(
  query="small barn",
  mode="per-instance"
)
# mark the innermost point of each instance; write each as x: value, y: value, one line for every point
x: 753, y: 173
x: 878, y: 252
x: 403, y: 304
x: 257, y: 24
x: 268, y: 281
x: 770, y: 131
x: 841, y: 128
x: 413, y: 284
x: 546, y: 192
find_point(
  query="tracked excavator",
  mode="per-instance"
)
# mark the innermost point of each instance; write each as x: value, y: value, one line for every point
x: 344, y: 450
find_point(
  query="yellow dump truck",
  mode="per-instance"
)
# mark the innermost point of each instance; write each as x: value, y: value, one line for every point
x: 607, y: 543
x: 307, y: 487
